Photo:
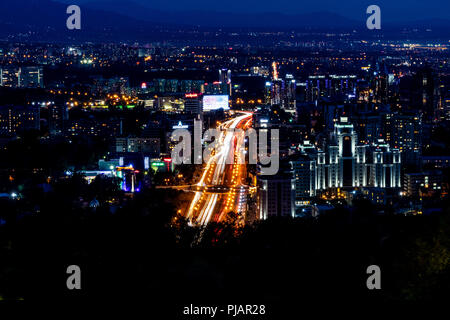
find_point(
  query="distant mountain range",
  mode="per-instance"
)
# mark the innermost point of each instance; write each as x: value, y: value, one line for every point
x: 111, y: 20
x: 46, y: 19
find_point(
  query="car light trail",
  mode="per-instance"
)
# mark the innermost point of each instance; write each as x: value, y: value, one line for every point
x: 204, y: 207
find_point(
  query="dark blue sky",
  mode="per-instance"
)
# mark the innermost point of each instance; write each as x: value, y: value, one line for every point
x: 391, y: 10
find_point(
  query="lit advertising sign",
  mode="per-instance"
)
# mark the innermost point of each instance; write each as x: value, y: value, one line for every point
x: 215, y: 102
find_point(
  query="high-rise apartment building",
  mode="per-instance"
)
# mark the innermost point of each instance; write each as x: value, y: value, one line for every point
x: 276, y: 196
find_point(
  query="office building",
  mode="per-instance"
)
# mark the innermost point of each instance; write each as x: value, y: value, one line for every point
x: 414, y: 183
x: 31, y: 77
x: 149, y: 146
x: 276, y: 196
x: 193, y: 103
x: 22, y: 77
x: 58, y: 116
x: 344, y: 163
x: 16, y: 119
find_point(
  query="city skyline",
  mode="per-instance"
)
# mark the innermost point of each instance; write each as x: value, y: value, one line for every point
x: 193, y: 161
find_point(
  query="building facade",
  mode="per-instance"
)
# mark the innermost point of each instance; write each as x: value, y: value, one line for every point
x: 345, y: 163
x: 276, y: 196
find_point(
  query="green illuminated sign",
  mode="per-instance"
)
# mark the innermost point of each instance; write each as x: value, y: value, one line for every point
x: 157, y: 164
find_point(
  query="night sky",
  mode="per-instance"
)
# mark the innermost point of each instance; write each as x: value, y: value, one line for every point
x: 398, y: 10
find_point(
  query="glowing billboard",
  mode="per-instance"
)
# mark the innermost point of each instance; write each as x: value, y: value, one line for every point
x: 215, y: 102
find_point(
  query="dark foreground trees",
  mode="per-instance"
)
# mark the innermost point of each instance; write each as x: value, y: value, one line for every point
x: 140, y: 250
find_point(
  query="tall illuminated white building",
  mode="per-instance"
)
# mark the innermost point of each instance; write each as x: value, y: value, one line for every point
x: 386, y: 166
x: 345, y: 164
x: 351, y: 164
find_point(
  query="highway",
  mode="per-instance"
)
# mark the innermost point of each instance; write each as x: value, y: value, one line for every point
x: 212, y: 203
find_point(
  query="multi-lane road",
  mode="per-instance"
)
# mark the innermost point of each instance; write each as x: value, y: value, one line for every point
x: 222, y: 185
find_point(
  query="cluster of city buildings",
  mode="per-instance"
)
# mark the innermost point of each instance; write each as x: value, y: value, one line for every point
x: 360, y: 137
